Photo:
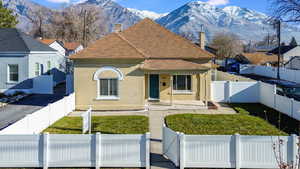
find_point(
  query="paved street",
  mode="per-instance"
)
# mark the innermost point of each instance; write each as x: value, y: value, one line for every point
x: 16, y: 111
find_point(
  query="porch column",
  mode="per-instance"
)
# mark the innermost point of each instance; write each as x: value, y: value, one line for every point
x: 206, y: 93
x: 171, y: 95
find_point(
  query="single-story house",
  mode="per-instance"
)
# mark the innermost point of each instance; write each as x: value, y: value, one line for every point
x: 72, y: 48
x: 287, y: 52
x: 257, y: 58
x: 23, y: 58
x: 146, y: 62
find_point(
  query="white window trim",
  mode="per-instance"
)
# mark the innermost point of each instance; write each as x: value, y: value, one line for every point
x: 190, y: 92
x: 96, y: 77
x: 8, y: 74
x: 39, y: 69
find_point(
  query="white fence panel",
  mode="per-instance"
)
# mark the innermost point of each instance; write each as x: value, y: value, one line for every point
x: 267, y: 94
x: 257, y: 151
x: 296, y: 110
x: 247, y: 69
x: 20, y: 151
x: 123, y: 150
x: 283, y: 104
x: 69, y: 84
x: 171, y: 145
x: 208, y: 151
x: 75, y: 150
x: 71, y: 151
x: 244, y: 92
x: 43, y: 84
x: 38, y: 121
x: 218, y: 91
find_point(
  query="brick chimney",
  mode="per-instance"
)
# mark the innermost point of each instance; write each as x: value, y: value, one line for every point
x: 118, y: 28
x: 202, y: 38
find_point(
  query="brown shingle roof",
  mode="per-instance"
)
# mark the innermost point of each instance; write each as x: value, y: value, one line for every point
x: 260, y: 58
x: 145, y: 39
x: 172, y: 64
x: 47, y: 41
x: 71, y: 45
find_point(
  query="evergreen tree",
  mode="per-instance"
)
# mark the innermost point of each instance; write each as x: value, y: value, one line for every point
x: 7, y: 17
x: 293, y: 42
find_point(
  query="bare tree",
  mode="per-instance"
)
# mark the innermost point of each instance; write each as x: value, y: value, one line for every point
x: 37, y: 18
x: 286, y: 10
x: 84, y: 24
x: 227, y: 44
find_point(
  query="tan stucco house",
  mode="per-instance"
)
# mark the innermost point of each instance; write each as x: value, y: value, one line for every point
x: 146, y: 62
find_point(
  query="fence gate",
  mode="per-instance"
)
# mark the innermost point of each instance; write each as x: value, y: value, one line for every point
x: 171, y: 145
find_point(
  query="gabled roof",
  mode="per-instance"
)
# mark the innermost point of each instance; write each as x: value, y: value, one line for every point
x: 145, y: 39
x: 283, y: 49
x: 71, y: 45
x: 260, y: 58
x: 12, y: 40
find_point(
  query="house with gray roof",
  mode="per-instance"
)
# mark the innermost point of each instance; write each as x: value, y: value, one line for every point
x: 23, y: 58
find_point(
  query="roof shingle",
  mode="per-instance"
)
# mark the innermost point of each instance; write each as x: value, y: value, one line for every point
x: 145, y: 39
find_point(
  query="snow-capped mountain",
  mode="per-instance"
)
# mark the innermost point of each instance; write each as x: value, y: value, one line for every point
x: 147, y: 14
x: 114, y: 12
x: 248, y: 24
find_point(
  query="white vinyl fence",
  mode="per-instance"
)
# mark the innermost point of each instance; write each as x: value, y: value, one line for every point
x: 52, y: 150
x: 254, y: 92
x: 235, y: 92
x: 38, y: 121
x: 285, y: 74
x: 228, y: 151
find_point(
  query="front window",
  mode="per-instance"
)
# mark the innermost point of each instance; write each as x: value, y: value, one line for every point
x: 182, y: 83
x: 13, y: 73
x: 108, y: 87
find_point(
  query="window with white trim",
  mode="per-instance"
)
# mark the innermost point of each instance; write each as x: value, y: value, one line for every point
x: 108, y: 87
x: 13, y: 73
x: 182, y: 83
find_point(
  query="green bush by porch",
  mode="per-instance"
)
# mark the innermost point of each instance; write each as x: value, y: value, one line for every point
x: 103, y: 124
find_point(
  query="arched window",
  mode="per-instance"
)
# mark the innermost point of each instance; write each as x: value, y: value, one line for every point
x: 108, y: 78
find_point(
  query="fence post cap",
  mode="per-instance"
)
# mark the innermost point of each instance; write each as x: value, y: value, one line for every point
x: 98, y: 133
x: 46, y: 133
x: 237, y: 134
x: 293, y: 135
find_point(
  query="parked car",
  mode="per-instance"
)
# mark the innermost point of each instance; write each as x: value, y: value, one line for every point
x: 286, y: 88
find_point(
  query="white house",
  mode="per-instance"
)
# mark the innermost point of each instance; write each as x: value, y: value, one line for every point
x: 294, y: 63
x: 23, y: 58
x: 72, y: 48
x: 287, y: 52
x: 55, y: 44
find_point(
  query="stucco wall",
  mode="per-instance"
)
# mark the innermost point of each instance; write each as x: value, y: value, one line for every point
x: 131, y: 89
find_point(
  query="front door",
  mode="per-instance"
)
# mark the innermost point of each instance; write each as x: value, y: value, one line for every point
x: 154, y: 87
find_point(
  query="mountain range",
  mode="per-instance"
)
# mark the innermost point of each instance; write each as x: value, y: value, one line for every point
x: 189, y: 19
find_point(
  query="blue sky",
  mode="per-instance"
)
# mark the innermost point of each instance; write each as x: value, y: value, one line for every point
x: 162, y: 6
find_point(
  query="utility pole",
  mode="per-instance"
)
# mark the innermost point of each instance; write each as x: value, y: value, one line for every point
x: 84, y: 28
x: 278, y: 26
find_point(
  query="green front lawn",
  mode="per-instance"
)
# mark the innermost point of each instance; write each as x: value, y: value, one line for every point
x: 244, y: 123
x: 103, y: 124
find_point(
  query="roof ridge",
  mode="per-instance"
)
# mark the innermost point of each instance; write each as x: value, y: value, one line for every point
x: 132, y: 45
x: 20, y: 34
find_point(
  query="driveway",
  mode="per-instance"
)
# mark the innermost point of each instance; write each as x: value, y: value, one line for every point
x: 11, y: 113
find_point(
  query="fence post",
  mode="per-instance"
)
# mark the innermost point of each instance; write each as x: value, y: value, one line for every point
x: 237, y: 151
x: 182, y: 150
x: 98, y: 150
x: 147, y: 151
x: 274, y: 94
x: 45, y: 150
x: 294, y: 150
x: 228, y: 88
x: 292, y: 107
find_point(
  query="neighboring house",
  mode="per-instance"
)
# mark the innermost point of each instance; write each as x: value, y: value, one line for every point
x: 55, y: 44
x: 23, y: 58
x: 72, y: 48
x: 294, y: 63
x: 287, y: 52
x: 146, y: 62
x: 257, y: 58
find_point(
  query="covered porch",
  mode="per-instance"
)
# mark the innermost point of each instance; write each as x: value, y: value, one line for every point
x: 176, y: 83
